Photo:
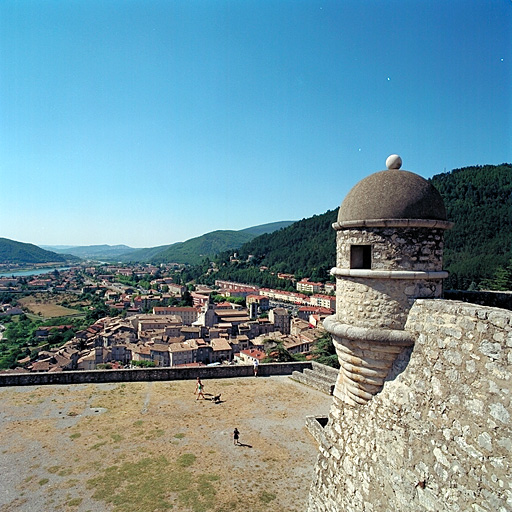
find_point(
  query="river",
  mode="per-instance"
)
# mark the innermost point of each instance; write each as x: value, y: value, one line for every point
x: 32, y: 272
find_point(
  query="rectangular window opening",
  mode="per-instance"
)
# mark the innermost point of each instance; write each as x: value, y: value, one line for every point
x: 361, y: 256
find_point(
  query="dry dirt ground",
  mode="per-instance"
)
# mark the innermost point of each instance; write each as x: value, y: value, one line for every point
x: 147, y: 447
x: 47, y: 305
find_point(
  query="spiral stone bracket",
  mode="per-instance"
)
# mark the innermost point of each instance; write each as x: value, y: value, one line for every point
x: 366, y: 356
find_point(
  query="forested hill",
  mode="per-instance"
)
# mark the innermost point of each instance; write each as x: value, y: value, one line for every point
x: 306, y: 248
x: 19, y: 252
x: 478, y: 250
x: 193, y: 251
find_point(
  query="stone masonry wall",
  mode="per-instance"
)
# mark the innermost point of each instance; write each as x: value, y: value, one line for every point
x: 438, y: 437
x: 394, y: 248
x: 380, y: 303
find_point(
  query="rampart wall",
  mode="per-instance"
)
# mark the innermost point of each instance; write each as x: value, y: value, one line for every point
x: 438, y: 436
x: 150, y: 374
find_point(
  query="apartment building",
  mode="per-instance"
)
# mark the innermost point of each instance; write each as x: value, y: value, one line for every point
x: 325, y: 301
x: 260, y: 300
x: 181, y: 353
x: 305, y: 285
x: 188, y: 314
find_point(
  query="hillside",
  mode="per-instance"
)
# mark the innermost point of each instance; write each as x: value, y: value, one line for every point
x: 305, y: 248
x: 193, y: 251
x: 267, y: 228
x: 478, y: 201
x: 141, y: 255
x: 478, y: 250
x: 21, y: 253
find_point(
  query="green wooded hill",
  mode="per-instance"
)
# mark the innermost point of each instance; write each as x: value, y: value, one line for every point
x: 193, y: 251
x: 478, y: 250
x: 305, y: 248
x: 21, y: 253
x: 267, y: 228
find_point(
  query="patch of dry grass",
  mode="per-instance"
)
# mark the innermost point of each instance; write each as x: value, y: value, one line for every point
x: 47, y: 305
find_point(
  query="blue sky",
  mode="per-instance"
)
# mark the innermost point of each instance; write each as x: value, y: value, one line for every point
x: 150, y: 122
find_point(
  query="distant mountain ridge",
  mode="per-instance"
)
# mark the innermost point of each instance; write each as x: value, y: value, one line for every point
x: 12, y: 252
x: 306, y: 248
x: 191, y: 251
x: 478, y: 250
x: 94, y: 252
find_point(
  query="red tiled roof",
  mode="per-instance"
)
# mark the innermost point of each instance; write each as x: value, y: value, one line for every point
x: 254, y: 352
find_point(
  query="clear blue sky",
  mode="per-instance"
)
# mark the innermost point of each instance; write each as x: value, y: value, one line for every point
x: 150, y: 122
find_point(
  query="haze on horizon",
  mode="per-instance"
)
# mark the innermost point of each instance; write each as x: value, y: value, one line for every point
x: 149, y: 122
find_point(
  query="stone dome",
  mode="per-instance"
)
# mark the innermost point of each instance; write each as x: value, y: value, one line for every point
x: 392, y: 194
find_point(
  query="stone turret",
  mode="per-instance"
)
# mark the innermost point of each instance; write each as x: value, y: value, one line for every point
x: 389, y: 252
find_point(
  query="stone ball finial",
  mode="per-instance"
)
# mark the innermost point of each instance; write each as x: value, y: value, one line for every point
x: 393, y: 162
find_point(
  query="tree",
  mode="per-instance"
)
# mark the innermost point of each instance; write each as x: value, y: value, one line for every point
x: 500, y: 281
x: 279, y: 354
x: 324, y: 351
x: 186, y: 299
x: 144, y: 364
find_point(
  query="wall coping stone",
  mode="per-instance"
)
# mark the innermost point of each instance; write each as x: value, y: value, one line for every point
x: 150, y: 374
x: 393, y: 223
x: 389, y: 274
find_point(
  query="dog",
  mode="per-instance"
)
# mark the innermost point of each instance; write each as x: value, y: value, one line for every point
x: 216, y: 398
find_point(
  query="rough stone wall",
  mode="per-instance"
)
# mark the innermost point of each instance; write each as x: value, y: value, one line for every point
x: 380, y: 303
x: 394, y: 248
x: 438, y: 436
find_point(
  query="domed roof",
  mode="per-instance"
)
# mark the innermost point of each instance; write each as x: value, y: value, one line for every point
x: 392, y: 194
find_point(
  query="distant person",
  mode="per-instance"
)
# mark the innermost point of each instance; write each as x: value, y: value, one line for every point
x: 199, y: 389
x: 236, y: 436
x: 256, y: 363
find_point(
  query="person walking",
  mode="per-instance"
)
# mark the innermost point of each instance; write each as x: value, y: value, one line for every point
x: 236, y: 435
x: 199, y: 389
x: 255, y: 363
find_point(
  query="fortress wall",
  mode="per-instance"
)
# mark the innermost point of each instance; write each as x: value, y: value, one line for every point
x: 151, y: 374
x: 438, y: 437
